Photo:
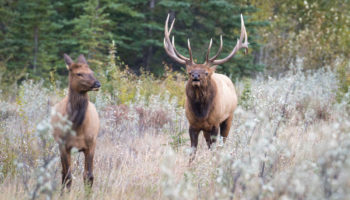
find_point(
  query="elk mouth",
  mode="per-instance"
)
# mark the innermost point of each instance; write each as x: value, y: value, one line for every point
x: 196, y: 82
x: 95, y: 89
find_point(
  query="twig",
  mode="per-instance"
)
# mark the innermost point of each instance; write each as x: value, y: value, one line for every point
x: 278, y: 123
x: 235, y: 180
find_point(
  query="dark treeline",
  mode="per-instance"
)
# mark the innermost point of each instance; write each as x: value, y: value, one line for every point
x: 34, y: 34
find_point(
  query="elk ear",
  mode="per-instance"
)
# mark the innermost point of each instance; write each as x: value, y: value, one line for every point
x: 188, y: 68
x: 81, y: 59
x: 68, y: 61
x: 213, y: 68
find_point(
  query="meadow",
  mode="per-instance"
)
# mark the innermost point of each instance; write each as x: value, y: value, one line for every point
x: 289, y: 140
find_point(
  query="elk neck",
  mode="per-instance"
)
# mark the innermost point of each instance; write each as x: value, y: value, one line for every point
x: 201, y: 98
x: 77, y: 106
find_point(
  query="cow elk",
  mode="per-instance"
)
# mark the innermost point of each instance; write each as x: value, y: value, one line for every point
x: 210, y: 97
x: 82, y: 116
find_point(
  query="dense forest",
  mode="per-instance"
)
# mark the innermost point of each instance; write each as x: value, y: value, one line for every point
x: 35, y: 34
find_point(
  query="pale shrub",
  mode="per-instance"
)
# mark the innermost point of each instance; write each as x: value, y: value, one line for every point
x: 290, y: 140
x: 282, y: 147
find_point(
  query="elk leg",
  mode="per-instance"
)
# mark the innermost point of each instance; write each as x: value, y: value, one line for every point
x: 88, y: 167
x: 207, y: 138
x: 66, y: 167
x: 194, y: 142
x: 225, y: 127
x: 210, y: 136
x: 214, y: 133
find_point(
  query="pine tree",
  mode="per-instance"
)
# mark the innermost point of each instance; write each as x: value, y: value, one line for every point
x: 28, y: 35
x: 91, y: 30
x: 130, y: 30
x: 35, y: 34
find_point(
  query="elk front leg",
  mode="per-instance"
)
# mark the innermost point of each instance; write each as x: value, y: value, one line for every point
x: 88, y: 167
x: 210, y: 136
x: 66, y: 167
x: 194, y: 142
x: 225, y: 128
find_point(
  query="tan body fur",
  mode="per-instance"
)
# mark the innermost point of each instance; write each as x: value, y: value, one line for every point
x: 210, y: 97
x: 86, y: 134
x: 210, y: 102
x: 224, y: 104
x: 80, y: 115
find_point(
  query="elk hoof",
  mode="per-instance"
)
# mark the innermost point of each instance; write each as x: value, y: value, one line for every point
x: 89, y: 179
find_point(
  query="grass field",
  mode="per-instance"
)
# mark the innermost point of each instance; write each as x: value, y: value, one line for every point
x: 289, y: 140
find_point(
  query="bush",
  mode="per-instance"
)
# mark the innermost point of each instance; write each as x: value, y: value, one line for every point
x: 289, y: 140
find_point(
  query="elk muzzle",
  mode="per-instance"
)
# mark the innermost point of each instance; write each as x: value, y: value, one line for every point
x: 96, y: 86
x: 196, y: 77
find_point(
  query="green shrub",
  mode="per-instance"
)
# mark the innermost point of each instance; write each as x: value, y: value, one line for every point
x: 245, y: 100
x: 178, y: 140
x: 123, y: 85
x: 343, y: 77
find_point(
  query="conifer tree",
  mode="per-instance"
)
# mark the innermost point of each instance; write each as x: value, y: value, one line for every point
x: 35, y: 34
x: 91, y: 30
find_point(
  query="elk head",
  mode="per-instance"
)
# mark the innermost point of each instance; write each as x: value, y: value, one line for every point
x: 81, y: 77
x: 199, y: 74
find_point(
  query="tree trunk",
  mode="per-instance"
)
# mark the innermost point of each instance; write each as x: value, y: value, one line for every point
x: 91, y: 48
x: 35, y: 48
x: 150, y: 36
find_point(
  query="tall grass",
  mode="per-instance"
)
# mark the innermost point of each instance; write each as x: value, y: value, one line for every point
x: 289, y: 140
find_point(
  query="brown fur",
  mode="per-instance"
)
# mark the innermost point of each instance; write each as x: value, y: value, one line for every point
x: 211, y: 98
x: 201, y: 99
x: 210, y: 102
x: 76, y: 108
x: 83, y: 116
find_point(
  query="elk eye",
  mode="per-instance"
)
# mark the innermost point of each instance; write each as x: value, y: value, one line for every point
x: 206, y: 73
x: 79, y: 74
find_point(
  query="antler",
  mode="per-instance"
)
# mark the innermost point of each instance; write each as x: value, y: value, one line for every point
x: 170, y: 46
x: 238, y: 46
x: 207, y: 60
x: 173, y: 53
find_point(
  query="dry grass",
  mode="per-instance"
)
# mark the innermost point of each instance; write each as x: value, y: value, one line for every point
x: 290, y: 142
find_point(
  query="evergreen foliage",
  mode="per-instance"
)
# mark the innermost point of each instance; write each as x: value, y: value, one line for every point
x: 35, y: 34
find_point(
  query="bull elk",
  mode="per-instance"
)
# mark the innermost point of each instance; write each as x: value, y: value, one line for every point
x: 210, y: 97
x: 83, y: 116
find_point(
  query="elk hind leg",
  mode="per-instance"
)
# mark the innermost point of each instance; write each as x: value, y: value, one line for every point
x: 225, y: 127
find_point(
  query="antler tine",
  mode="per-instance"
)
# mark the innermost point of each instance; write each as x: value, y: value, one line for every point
x: 245, y: 43
x: 177, y: 53
x: 238, y: 46
x: 189, y: 50
x: 173, y: 41
x: 219, y: 50
x: 208, y: 51
x: 171, y: 26
x: 170, y: 46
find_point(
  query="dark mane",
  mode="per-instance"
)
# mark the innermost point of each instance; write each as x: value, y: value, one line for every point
x: 76, y: 107
x: 201, y: 99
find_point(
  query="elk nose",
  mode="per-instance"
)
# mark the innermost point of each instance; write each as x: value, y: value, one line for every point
x: 195, y: 75
x: 97, y: 84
